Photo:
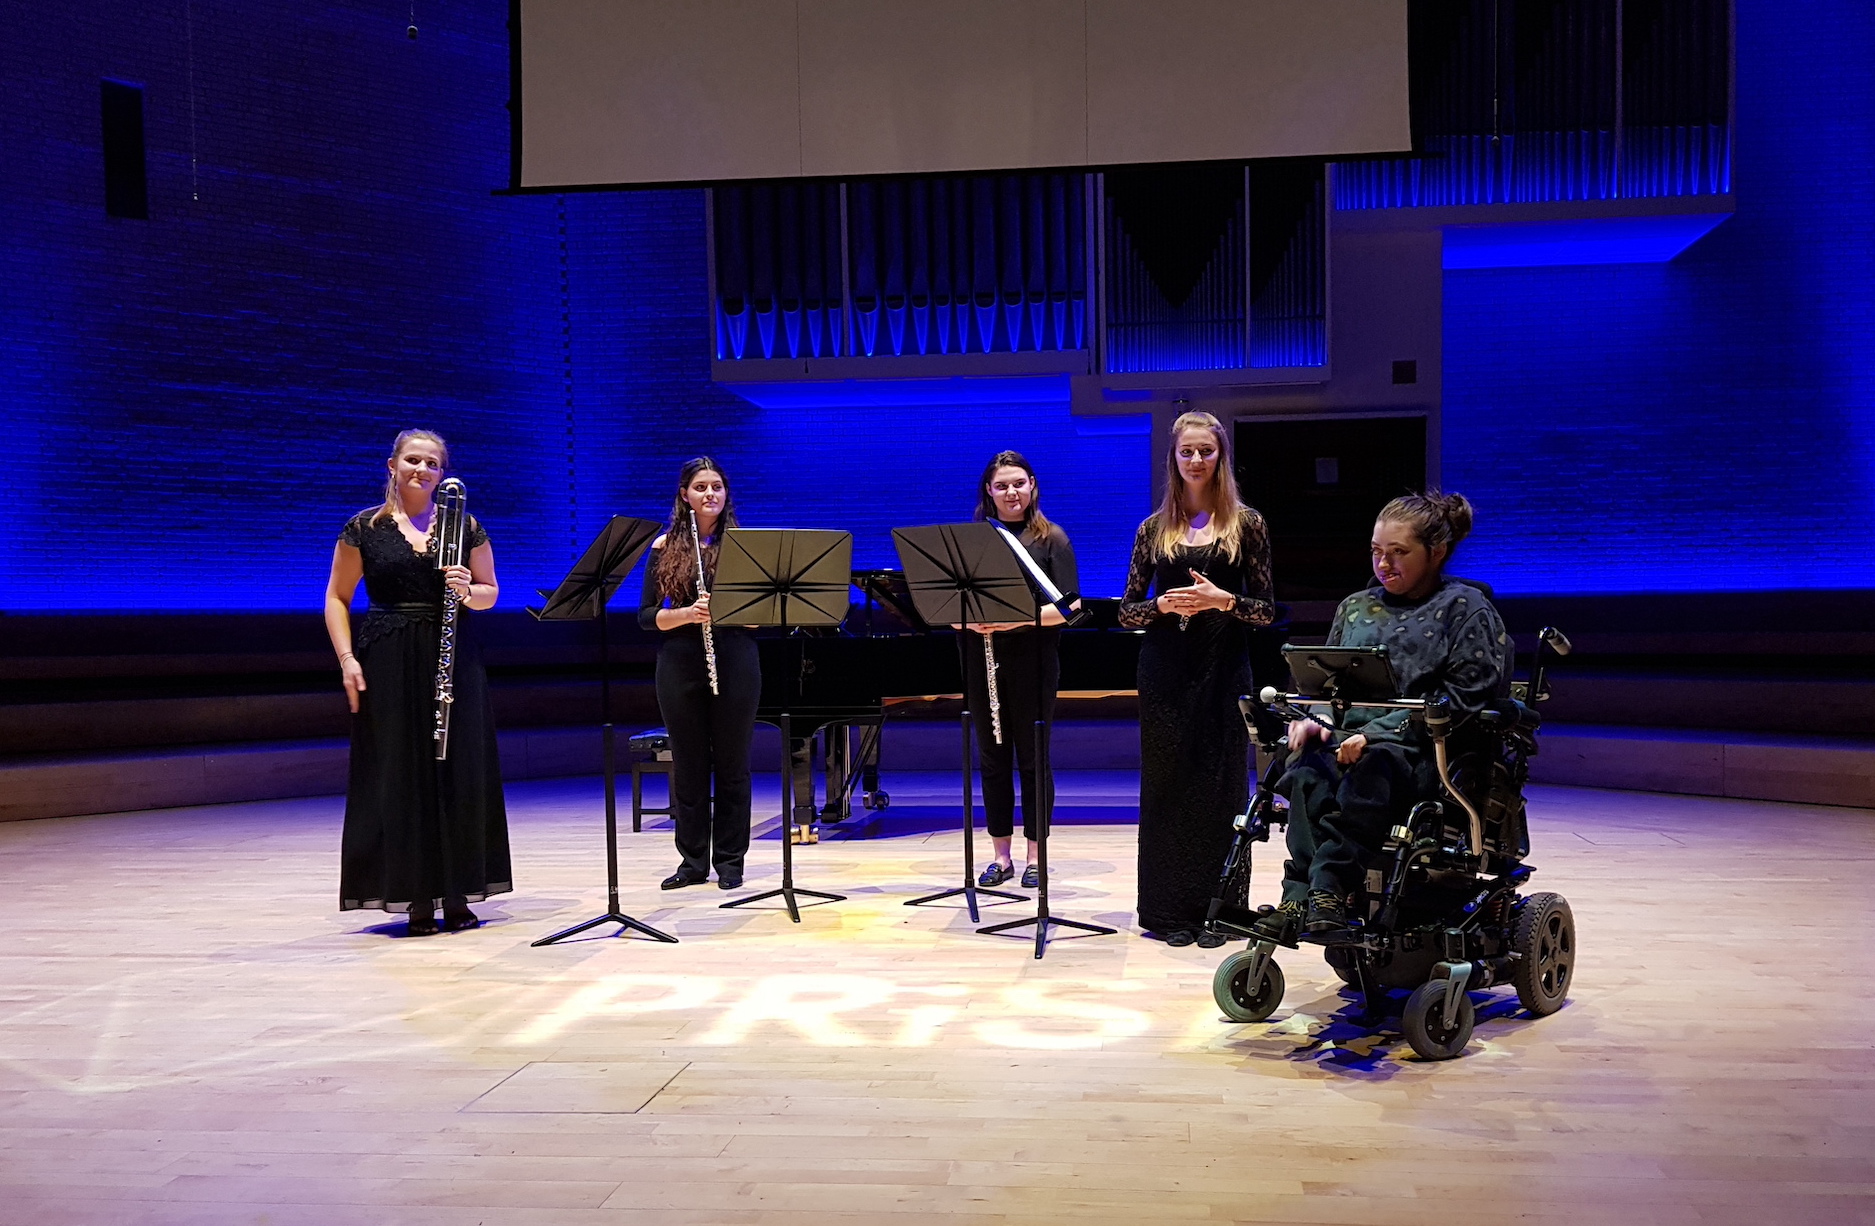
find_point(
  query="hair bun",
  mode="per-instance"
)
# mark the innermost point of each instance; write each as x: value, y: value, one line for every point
x: 1458, y: 515
x: 1437, y: 519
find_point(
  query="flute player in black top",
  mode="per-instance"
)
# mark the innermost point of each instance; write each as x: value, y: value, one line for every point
x: 1028, y: 671
x: 709, y: 732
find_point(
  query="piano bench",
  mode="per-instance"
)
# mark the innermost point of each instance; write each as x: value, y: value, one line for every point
x: 650, y: 753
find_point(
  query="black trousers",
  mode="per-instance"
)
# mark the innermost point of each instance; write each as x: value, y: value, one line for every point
x: 1339, y: 815
x: 710, y: 736
x: 1020, y: 655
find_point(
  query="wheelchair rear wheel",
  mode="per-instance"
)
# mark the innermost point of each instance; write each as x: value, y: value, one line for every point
x: 1545, y: 937
x: 1241, y: 1000
x: 1433, y: 1035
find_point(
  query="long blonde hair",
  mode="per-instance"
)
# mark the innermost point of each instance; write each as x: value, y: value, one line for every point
x: 392, y: 503
x: 1227, y: 506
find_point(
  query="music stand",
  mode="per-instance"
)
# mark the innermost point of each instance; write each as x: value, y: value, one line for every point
x: 783, y: 577
x: 958, y: 574
x: 582, y: 596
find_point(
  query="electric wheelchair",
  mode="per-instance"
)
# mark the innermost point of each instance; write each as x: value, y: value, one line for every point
x: 1441, y: 912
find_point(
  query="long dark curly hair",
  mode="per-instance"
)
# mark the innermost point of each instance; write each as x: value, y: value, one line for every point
x: 675, y: 569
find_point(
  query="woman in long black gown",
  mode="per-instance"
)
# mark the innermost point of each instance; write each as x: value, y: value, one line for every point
x: 1204, y: 558
x: 419, y: 833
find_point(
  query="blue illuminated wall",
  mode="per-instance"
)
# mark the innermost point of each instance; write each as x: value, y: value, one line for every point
x: 191, y: 405
x: 194, y: 403
x: 1706, y: 424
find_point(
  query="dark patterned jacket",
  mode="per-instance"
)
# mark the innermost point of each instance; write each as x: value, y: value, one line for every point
x: 1453, y: 642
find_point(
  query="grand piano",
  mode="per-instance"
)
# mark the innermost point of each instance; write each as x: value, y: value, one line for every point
x: 838, y: 687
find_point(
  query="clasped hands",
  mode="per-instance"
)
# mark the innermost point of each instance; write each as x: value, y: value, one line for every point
x: 1302, y: 731
x: 1201, y: 595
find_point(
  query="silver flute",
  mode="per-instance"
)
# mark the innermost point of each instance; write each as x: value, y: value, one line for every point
x: 703, y: 588
x: 452, y: 531
x: 989, y: 674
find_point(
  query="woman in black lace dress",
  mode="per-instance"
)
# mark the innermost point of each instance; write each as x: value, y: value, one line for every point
x: 1199, y: 579
x: 419, y: 833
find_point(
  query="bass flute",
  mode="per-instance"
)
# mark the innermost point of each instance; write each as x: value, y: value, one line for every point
x: 703, y: 588
x: 452, y: 533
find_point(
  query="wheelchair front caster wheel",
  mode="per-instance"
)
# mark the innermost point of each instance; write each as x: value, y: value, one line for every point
x: 1433, y: 1035
x: 877, y: 800
x: 1240, y: 999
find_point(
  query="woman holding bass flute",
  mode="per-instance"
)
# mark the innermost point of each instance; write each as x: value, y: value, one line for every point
x: 709, y: 682
x: 426, y: 825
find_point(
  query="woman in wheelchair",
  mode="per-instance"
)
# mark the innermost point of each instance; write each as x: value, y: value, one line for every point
x: 1443, y: 637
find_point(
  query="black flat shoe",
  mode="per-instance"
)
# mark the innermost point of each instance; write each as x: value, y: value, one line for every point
x: 995, y: 873
x: 1032, y: 877
x: 423, y: 926
x: 1181, y: 936
x: 1208, y: 939
x: 728, y: 881
x: 679, y: 879
x: 460, y: 921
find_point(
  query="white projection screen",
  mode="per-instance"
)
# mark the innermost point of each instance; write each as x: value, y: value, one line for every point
x: 638, y: 92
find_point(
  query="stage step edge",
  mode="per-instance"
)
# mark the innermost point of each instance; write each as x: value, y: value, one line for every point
x: 1810, y: 770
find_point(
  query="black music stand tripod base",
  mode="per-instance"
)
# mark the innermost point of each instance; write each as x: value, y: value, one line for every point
x: 1042, y: 922
x: 1042, y: 919
x: 969, y: 889
x: 625, y: 923
x: 788, y: 892
x: 582, y: 596
x: 970, y: 893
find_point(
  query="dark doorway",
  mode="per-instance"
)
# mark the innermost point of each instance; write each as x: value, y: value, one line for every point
x: 1318, y: 484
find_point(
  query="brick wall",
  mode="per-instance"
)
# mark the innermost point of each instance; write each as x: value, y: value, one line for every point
x: 1708, y: 424
x: 193, y: 403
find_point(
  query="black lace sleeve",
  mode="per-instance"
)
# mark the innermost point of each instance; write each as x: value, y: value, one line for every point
x: 353, y: 533
x: 478, y: 535
x: 1136, y: 607
x: 1256, y: 604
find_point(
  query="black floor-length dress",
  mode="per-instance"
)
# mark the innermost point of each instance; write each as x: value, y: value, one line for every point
x: 1193, y: 769
x: 418, y: 831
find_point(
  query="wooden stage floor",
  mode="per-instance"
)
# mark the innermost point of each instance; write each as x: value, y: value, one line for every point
x: 192, y: 1035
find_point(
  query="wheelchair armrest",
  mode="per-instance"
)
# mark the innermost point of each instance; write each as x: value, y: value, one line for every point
x: 1508, y: 714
